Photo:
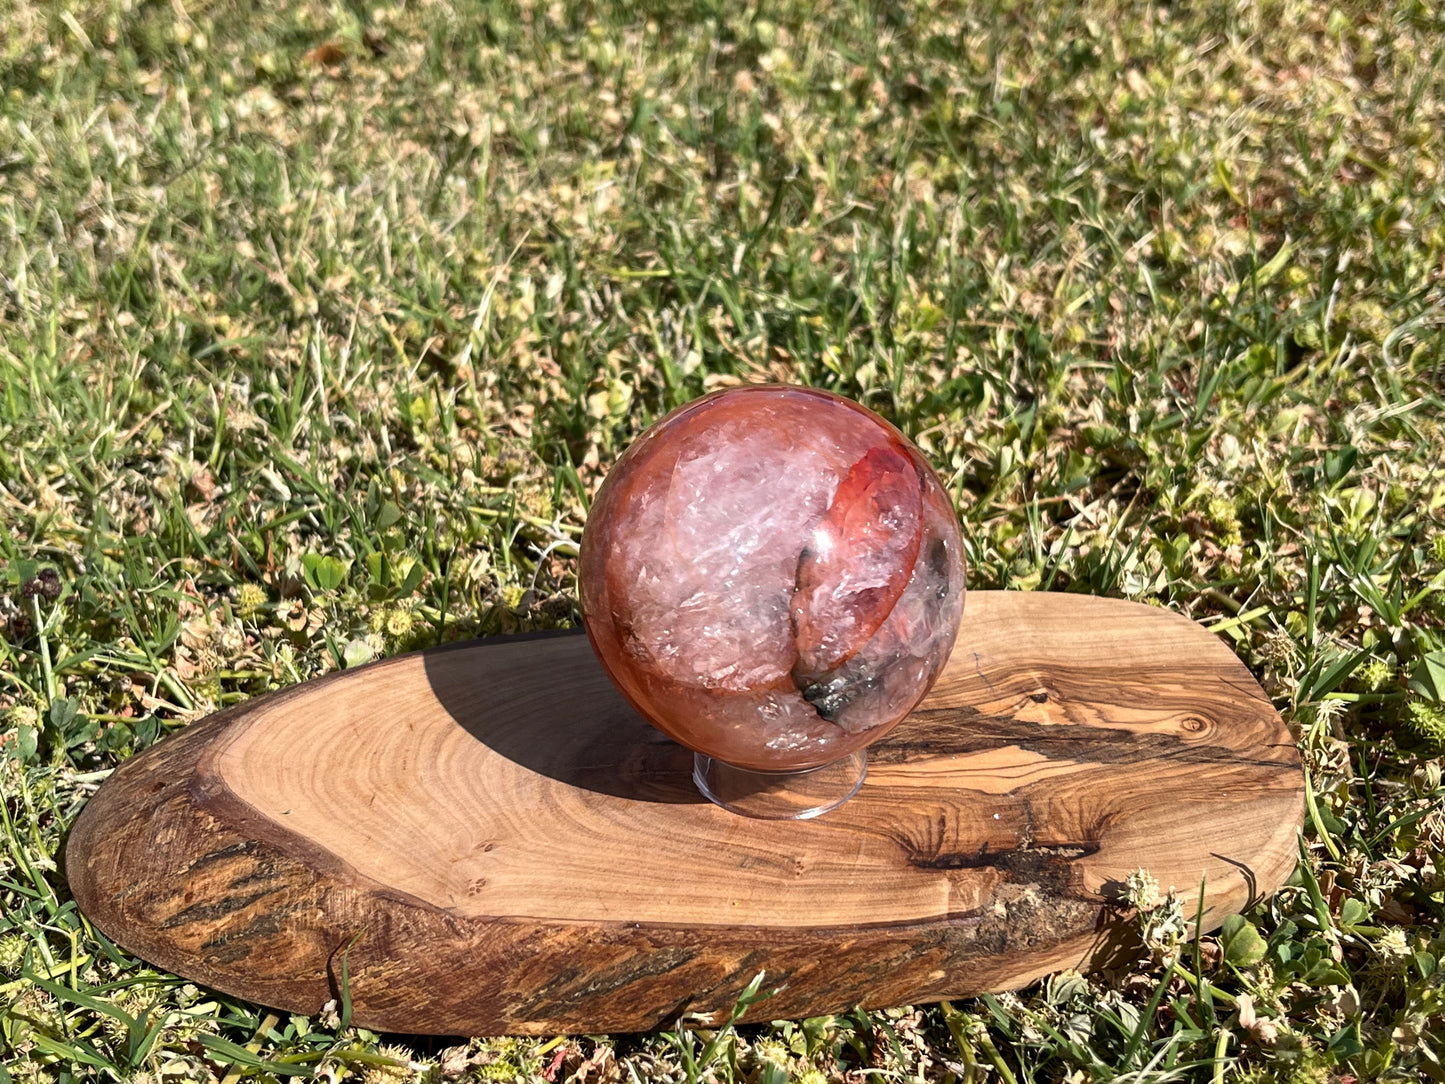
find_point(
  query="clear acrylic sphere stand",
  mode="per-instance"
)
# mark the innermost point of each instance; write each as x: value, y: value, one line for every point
x: 780, y: 796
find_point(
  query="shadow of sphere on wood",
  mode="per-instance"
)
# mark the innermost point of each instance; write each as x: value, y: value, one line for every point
x: 567, y: 722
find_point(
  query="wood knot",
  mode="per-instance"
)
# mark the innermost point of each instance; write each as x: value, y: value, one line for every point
x: 1195, y: 725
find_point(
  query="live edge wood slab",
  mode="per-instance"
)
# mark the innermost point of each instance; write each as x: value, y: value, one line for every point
x: 494, y: 842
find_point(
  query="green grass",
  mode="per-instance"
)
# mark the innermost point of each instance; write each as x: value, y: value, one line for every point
x: 320, y: 323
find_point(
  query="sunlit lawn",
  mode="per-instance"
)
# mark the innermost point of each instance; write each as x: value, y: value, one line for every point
x: 320, y: 324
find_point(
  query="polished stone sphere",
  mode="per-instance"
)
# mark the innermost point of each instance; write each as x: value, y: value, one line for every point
x: 773, y: 576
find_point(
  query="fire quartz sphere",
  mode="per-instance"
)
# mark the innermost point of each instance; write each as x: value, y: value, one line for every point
x: 773, y: 576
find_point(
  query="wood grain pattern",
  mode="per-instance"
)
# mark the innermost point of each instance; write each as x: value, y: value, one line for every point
x: 505, y: 846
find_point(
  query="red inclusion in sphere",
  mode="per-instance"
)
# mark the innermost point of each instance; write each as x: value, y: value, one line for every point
x: 773, y: 576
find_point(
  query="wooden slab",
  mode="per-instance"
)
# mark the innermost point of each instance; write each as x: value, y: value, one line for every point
x: 496, y: 842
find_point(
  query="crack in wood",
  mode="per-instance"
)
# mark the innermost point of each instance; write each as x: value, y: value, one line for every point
x: 1025, y: 860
